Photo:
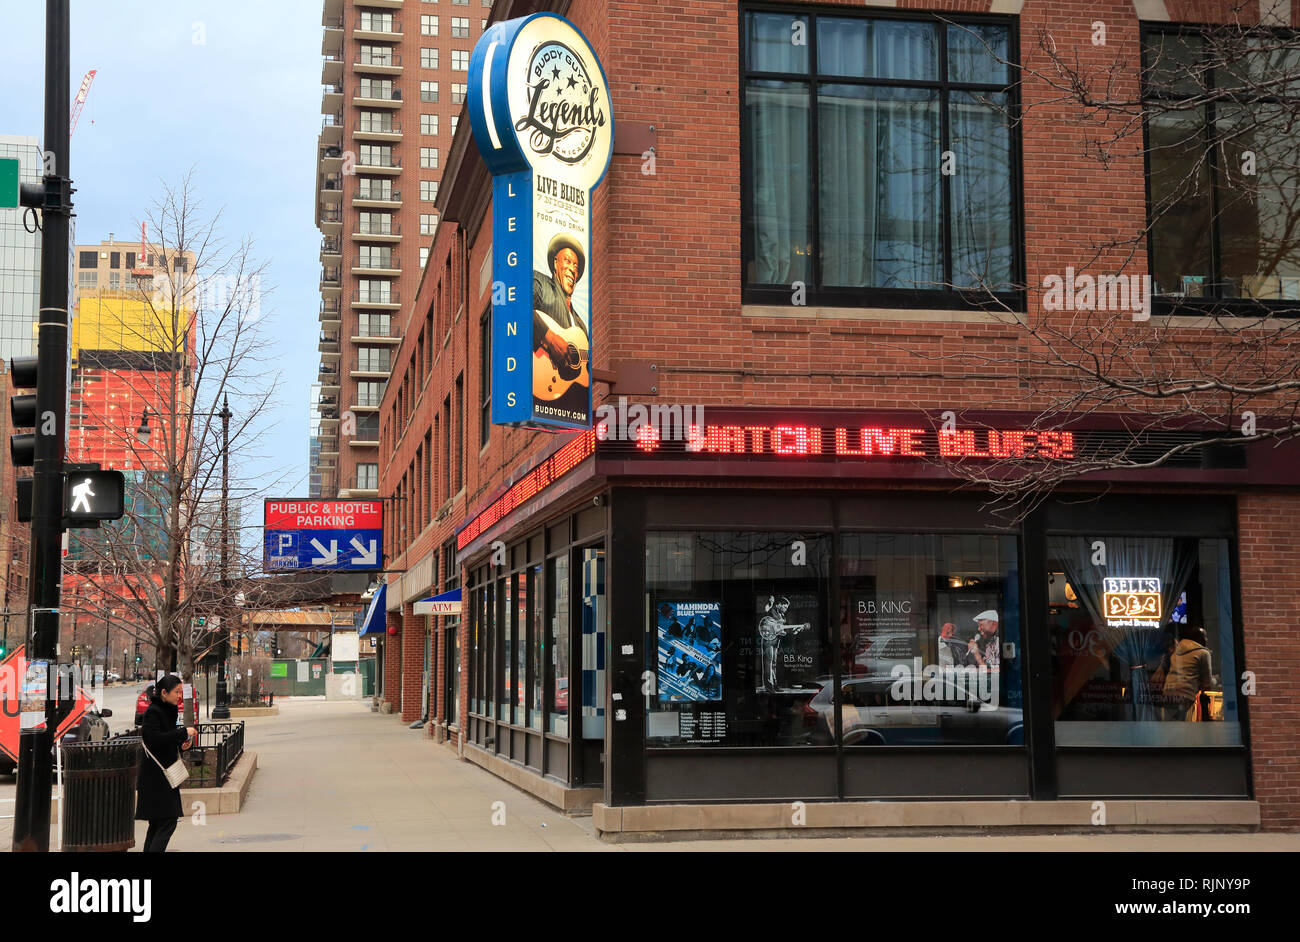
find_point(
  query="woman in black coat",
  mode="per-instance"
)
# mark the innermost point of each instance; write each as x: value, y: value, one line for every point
x: 159, y: 803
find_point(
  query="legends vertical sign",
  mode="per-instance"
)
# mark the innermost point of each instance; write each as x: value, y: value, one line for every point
x: 540, y: 111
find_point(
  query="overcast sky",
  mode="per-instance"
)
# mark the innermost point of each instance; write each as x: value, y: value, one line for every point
x: 228, y: 88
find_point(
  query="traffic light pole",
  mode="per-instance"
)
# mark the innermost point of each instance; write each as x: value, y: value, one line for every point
x: 32, y: 810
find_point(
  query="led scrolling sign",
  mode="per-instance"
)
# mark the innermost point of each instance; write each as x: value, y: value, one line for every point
x: 784, y: 441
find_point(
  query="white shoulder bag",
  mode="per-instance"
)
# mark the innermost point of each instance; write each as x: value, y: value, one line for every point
x: 176, y: 773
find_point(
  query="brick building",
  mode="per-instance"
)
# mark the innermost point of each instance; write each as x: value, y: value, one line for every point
x: 759, y: 606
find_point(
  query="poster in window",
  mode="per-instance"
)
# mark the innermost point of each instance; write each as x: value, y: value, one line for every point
x: 787, y: 646
x: 689, y: 651
x: 884, y: 632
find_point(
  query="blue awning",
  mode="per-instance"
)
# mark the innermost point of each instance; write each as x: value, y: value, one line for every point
x: 448, y: 603
x: 376, y: 622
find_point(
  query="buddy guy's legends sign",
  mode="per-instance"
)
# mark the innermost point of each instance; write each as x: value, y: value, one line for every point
x: 540, y: 111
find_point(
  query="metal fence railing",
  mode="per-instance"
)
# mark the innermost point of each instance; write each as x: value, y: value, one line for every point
x: 218, y: 748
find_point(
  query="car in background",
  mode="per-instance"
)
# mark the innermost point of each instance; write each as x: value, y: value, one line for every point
x: 90, y: 728
x: 142, y: 704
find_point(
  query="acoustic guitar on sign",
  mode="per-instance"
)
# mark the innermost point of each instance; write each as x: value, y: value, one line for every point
x: 554, y: 376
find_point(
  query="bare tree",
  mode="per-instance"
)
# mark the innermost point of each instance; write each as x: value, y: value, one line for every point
x: 1178, y: 325
x: 185, y: 339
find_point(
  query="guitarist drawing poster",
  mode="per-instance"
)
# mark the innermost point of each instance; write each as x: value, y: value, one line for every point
x: 561, y: 313
x: 787, y: 650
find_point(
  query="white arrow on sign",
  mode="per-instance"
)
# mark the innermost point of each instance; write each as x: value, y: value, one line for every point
x: 327, y: 557
x: 366, y: 556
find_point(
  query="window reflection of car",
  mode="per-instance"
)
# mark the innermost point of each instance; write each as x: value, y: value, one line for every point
x: 870, y: 715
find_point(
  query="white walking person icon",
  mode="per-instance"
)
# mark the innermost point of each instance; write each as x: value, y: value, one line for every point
x: 80, y: 495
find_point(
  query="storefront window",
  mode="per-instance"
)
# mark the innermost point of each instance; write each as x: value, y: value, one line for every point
x: 536, y: 645
x: 488, y: 634
x: 523, y: 642
x: 929, y: 642
x: 559, y: 721
x: 506, y: 700
x: 1142, y: 641
x: 737, y: 636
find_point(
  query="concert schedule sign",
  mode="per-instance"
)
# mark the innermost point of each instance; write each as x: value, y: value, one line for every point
x: 540, y: 112
x: 689, y: 650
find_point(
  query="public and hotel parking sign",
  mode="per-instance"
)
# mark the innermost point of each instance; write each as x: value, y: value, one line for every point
x: 540, y: 111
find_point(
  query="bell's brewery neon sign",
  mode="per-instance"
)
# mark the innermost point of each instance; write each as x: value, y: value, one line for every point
x: 1131, y: 603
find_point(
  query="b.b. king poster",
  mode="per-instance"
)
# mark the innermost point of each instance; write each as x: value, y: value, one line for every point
x: 689, y: 651
x: 786, y: 641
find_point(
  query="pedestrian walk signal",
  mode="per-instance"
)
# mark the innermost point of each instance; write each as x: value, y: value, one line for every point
x: 93, y: 495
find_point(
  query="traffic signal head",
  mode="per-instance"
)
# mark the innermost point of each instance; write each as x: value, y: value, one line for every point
x: 22, y: 411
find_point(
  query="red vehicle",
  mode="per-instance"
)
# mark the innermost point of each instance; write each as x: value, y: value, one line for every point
x: 142, y: 704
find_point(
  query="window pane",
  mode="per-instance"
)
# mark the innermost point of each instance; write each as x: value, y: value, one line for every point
x: 879, y: 182
x: 780, y: 225
x: 522, y: 641
x: 978, y: 54
x: 560, y: 645
x: 949, y: 604
x: 982, y: 251
x: 1172, y: 64
x: 889, y: 49
x: 738, y: 637
x: 1141, y: 645
x: 1259, y: 213
x: 536, y: 646
x: 1180, y: 203
x: 506, y: 699
x: 777, y: 42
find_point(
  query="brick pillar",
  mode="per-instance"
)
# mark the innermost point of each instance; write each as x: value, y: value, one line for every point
x: 1270, y: 588
x: 393, y: 660
x: 412, y: 663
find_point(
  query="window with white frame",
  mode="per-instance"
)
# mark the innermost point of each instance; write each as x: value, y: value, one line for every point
x: 428, y: 222
x: 460, y: 60
x: 455, y: 120
x: 458, y: 93
x: 428, y: 24
x: 377, y: 22
x: 428, y: 124
x: 424, y: 256
x: 460, y: 27
x: 428, y: 91
x: 428, y: 58
x: 428, y: 158
x: 367, y: 477
x: 428, y: 190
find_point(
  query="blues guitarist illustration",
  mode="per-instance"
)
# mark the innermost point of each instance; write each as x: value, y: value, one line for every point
x: 771, y: 629
x: 561, y: 348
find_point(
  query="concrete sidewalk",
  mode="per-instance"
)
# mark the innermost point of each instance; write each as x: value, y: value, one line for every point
x: 332, y: 776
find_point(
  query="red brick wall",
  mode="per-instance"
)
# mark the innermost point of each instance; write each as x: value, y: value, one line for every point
x: 412, y: 663
x: 666, y: 284
x: 1270, y: 610
x: 392, y: 691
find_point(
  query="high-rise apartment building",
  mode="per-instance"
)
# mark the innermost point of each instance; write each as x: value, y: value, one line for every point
x: 395, y: 76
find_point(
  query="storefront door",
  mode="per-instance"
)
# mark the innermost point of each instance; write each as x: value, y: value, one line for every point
x: 592, y: 646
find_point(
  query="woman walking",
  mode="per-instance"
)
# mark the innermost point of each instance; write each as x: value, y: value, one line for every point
x: 159, y: 803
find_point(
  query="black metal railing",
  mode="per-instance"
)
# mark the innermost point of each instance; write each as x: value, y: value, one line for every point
x: 212, y: 758
x: 370, y: 93
x: 378, y: 127
x: 389, y: 229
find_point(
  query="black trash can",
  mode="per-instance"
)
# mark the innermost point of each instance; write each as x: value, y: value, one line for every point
x: 99, y: 783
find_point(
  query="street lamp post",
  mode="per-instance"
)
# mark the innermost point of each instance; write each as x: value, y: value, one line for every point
x: 222, y: 709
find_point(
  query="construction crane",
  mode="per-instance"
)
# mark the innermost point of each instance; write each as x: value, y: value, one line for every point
x: 80, y: 100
